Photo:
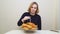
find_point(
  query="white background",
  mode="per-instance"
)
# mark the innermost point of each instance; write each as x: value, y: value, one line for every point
x: 11, y: 11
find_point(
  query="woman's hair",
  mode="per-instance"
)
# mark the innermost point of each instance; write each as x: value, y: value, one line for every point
x: 31, y: 6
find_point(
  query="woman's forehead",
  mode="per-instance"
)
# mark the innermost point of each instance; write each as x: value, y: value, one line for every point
x: 34, y: 5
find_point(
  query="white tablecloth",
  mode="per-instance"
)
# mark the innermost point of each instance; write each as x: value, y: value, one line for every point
x: 37, y: 32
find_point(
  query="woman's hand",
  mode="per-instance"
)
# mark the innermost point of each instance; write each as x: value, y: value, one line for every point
x: 25, y: 18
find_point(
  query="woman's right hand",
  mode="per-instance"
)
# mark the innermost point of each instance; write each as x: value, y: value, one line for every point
x: 25, y: 18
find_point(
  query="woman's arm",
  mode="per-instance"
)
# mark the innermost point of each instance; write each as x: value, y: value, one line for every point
x: 39, y: 23
x: 20, y: 20
x: 24, y: 18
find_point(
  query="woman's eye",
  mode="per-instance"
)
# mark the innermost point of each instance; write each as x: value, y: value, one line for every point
x: 35, y: 8
x: 31, y: 7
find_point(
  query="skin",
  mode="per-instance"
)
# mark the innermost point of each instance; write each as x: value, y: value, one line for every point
x: 32, y: 12
x: 33, y: 9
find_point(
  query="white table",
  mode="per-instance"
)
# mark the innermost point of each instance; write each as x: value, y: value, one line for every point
x: 37, y: 32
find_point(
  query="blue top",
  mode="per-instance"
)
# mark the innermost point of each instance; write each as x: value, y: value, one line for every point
x: 36, y: 19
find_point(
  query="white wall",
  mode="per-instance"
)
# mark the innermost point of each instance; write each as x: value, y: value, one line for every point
x: 11, y: 11
x: 48, y: 14
x: 8, y: 15
x: 58, y: 15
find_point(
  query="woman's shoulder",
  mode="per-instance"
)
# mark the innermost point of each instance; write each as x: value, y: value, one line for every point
x: 26, y: 13
x: 38, y: 15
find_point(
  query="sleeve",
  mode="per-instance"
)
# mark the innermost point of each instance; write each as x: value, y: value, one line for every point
x: 20, y: 22
x: 39, y: 23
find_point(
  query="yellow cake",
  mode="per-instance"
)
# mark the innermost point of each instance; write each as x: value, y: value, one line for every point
x: 28, y: 26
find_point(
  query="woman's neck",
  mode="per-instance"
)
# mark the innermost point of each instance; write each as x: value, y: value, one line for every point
x: 32, y: 14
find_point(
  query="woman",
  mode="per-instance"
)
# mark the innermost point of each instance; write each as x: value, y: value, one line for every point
x: 32, y: 15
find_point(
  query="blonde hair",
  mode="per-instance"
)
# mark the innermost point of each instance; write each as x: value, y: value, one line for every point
x: 31, y: 6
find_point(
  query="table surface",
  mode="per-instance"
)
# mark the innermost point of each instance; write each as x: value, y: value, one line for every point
x: 36, y: 32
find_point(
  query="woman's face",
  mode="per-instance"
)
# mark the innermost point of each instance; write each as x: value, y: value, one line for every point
x: 33, y: 9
